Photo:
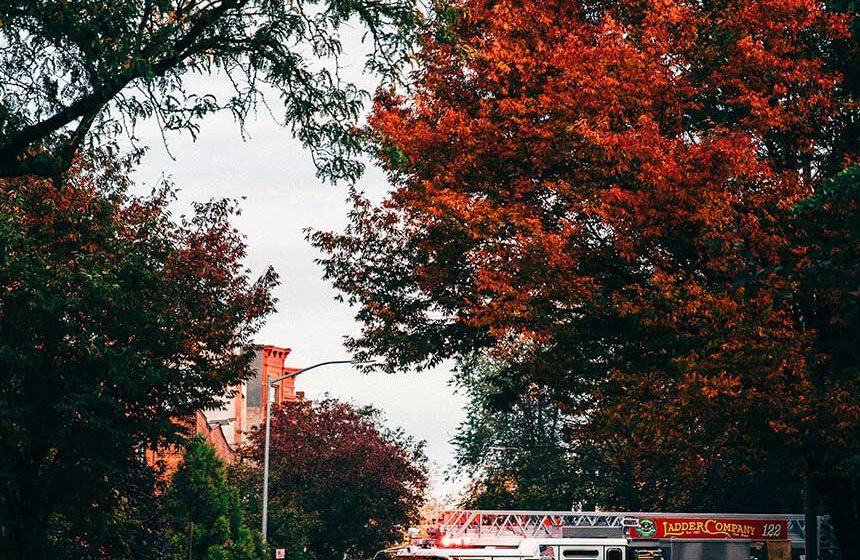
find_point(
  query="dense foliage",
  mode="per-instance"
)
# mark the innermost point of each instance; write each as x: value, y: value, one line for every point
x: 83, y: 71
x: 114, y: 319
x: 517, y: 455
x: 531, y: 454
x: 204, y: 511
x: 286, y: 522
x: 353, y: 485
x: 601, y: 195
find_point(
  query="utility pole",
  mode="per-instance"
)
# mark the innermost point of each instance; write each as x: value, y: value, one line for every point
x: 269, y: 388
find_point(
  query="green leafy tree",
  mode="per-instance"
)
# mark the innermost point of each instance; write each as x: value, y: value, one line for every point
x: 352, y: 485
x: 828, y: 300
x: 292, y: 526
x: 204, y: 510
x: 517, y: 455
x: 525, y: 450
x: 80, y: 71
x: 128, y: 523
x: 114, y: 320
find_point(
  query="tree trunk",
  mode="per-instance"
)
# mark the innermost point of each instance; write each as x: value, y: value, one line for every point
x: 27, y: 538
x: 842, y: 498
x: 810, y: 514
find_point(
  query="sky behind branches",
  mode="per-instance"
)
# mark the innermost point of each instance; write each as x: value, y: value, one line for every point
x: 282, y: 197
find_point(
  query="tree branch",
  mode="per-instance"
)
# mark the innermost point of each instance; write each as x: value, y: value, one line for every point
x: 89, y: 106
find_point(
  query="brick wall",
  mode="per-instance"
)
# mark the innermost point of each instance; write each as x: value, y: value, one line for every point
x: 168, y: 458
x: 243, y: 409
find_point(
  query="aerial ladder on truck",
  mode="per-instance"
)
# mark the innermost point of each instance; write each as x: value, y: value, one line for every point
x: 508, y: 527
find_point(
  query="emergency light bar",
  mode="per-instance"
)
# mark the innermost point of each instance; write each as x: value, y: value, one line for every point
x: 450, y: 542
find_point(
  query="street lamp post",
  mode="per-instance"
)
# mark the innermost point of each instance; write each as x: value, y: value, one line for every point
x: 269, y: 386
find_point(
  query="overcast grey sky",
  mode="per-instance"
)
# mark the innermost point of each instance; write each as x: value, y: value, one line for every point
x: 282, y: 197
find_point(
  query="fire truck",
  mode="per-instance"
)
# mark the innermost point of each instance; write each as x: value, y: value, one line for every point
x: 553, y: 535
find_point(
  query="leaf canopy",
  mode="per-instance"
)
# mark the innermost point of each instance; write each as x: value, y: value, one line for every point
x: 83, y: 72
x: 115, y: 320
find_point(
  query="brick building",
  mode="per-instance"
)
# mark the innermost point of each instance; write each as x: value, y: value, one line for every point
x: 226, y: 428
x: 169, y: 457
x: 246, y: 407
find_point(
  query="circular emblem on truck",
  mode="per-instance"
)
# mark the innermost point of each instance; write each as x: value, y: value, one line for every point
x: 647, y: 528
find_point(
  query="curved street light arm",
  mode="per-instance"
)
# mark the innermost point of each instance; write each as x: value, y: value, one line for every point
x: 268, y: 429
x: 295, y: 373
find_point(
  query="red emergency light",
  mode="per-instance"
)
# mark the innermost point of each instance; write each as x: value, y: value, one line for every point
x: 450, y: 542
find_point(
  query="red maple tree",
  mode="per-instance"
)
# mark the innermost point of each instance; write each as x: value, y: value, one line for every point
x: 602, y: 194
x: 356, y: 485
